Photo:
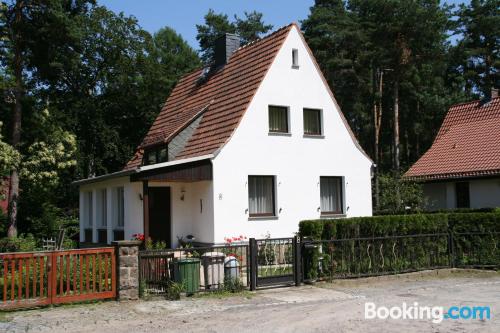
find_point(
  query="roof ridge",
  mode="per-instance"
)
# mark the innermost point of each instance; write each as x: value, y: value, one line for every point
x: 260, y: 39
x: 474, y: 101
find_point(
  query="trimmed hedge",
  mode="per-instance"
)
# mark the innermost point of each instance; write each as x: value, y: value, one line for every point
x: 385, y: 256
x: 391, y: 225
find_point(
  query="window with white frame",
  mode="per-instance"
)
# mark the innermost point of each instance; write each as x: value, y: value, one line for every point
x: 120, y: 209
x: 312, y: 122
x: 331, y: 192
x: 261, y: 196
x: 278, y: 119
x: 89, y: 203
x: 103, y: 209
x: 295, y: 58
x: 118, y: 214
x: 88, y: 216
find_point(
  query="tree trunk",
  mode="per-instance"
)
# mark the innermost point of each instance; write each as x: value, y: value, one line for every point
x: 377, y: 120
x: 396, y: 126
x: 16, y: 123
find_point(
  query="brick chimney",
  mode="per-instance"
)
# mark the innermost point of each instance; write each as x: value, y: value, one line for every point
x: 225, y: 46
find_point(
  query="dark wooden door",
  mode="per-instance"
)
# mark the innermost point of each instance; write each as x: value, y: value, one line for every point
x: 159, y: 214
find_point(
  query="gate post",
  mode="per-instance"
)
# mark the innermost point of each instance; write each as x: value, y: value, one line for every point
x: 297, y: 260
x: 252, y: 243
x: 127, y: 267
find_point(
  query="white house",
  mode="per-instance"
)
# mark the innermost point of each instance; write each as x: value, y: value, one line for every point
x: 462, y: 167
x: 250, y: 146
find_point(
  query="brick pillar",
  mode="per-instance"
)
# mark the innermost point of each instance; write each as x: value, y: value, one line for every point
x: 127, y: 263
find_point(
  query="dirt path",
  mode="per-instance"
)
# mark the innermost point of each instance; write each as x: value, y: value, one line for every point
x: 335, y: 307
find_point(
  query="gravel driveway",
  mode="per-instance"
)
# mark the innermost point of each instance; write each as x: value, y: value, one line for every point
x: 325, y: 307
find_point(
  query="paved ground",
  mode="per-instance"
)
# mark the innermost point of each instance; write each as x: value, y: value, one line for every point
x: 325, y: 307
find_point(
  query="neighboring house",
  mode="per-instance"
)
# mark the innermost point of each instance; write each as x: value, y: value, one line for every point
x: 250, y: 146
x: 462, y: 168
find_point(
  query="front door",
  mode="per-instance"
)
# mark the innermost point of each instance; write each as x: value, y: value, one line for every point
x: 159, y: 214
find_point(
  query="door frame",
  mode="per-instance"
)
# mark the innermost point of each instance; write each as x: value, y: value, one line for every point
x: 146, y: 215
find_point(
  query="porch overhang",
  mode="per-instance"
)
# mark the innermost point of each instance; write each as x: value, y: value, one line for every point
x: 188, y: 171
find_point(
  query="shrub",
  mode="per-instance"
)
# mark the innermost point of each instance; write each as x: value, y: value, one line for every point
x: 471, y: 250
x: 19, y: 244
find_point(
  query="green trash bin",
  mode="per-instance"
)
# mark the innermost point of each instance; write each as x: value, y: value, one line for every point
x: 188, y: 273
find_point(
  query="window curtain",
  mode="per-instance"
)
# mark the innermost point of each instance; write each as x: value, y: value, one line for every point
x: 330, y: 188
x: 90, y: 210
x: 120, y: 207
x: 312, y: 122
x: 278, y: 121
x: 261, y: 198
x: 104, y: 209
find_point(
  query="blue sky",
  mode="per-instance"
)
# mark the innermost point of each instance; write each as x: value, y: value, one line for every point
x: 183, y: 15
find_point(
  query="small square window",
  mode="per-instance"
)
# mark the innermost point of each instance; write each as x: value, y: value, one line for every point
x: 261, y: 196
x: 331, y: 195
x: 162, y: 155
x: 312, y: 122
x: 278, y: 119
x: 295, y: 58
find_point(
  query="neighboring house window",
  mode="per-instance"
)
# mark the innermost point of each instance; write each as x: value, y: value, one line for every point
x: 102, y: 233
x: 295, y: 58
x: 261, y: 196
x: 312, y: 122
x: 155, y: 155
x: 119, y: 207
x: 278, y: 119
x: 462, y: 194
x: 331, y: 195
x: 89, y: 220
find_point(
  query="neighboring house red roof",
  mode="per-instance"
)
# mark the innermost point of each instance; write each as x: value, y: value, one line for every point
x: 467, y: 144
x: 222, y: 99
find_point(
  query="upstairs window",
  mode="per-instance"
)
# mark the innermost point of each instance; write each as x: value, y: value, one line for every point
x: 278, y: 119
x: 295, y: 58
x: 155, y: 155
x: 331, y: 195
x: 462, y: 194
x: 312, y: 122
x: 261, y: 196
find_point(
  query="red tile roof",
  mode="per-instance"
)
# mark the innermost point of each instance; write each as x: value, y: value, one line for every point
x: 222, y: 100
x: 224, y: 96
x: 467, y: 144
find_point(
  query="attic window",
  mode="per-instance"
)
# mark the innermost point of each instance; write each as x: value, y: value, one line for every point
x: 155, y: 155
x: 295, y: 58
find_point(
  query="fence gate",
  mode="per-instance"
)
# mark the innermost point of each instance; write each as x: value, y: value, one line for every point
x: 274, y: 261
x: 50, y: 277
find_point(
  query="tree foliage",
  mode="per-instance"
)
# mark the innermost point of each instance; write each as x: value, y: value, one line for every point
x: 248, y: 28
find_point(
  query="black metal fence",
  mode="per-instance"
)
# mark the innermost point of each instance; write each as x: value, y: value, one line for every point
x: 194, y: 269
x: 265, y: 262
x: 372, y: 256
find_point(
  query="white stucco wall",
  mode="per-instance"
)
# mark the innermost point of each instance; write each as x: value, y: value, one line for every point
x: 295, y: 160
x: 484, y: 193
x: 188, y: 216
x: 132, y: 206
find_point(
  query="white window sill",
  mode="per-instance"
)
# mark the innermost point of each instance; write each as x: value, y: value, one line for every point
x: 279, y: 134
x: 262, y: 218
x: 332, y: 216
x: 314, y: 136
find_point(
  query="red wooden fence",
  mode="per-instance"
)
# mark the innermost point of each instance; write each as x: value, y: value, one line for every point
x: 52, y: 277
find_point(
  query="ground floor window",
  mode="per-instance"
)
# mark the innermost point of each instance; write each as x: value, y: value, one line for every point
x: 119, y: 214
x: 331, y: 196
x: 261, y: 196
x: 462, y: 194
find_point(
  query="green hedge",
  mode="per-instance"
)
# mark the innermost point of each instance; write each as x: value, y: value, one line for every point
x: 388, y: 225
x: 375, y: 257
